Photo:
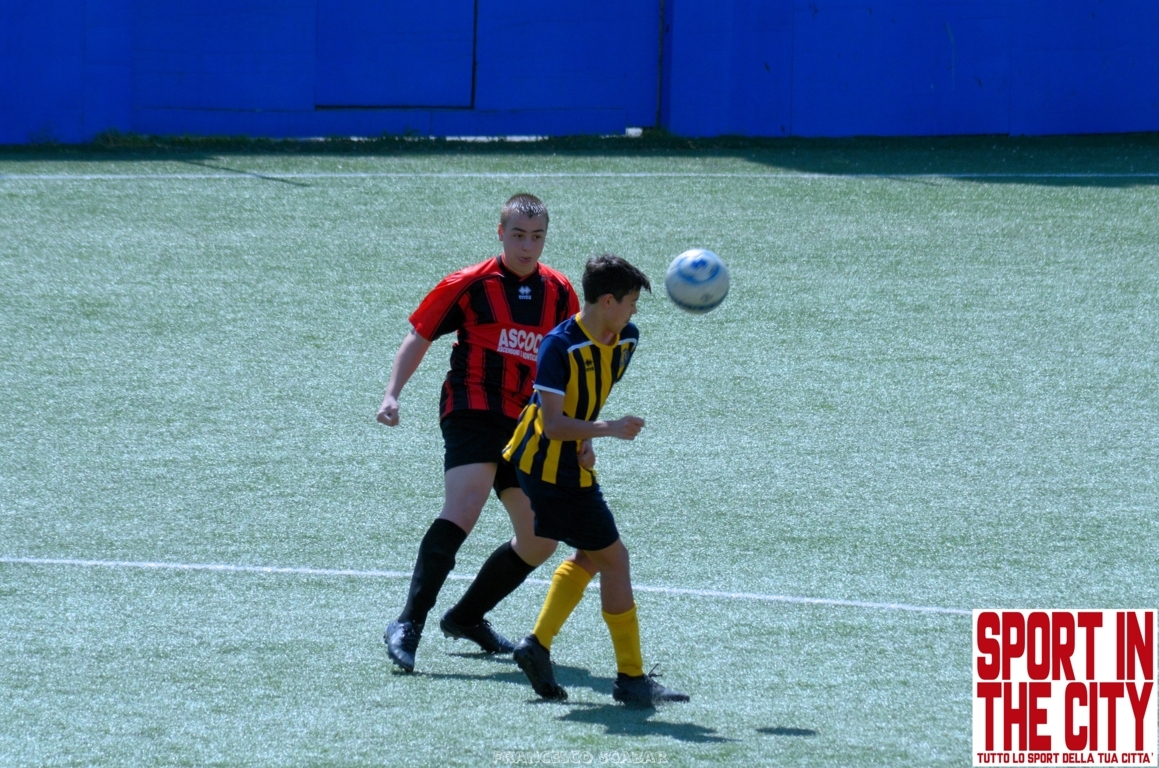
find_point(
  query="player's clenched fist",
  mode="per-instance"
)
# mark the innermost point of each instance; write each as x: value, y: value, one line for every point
x: 388, y: 411
x: 626, y: 428
x: 586, y: 454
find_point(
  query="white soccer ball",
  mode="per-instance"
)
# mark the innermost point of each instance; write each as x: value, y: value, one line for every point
x: 697, y: 281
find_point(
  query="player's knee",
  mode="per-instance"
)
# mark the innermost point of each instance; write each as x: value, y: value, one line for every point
x: 619, y: 553
x: 463, y: 515
x: 612, y: 560
x: 533, y: 550
x: 581, y: 559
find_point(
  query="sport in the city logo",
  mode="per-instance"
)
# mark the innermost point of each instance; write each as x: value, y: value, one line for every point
x: 1073, y: 687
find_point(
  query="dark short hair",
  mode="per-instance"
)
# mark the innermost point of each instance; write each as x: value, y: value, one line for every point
x: 528, y: 205
x: 608, y: 273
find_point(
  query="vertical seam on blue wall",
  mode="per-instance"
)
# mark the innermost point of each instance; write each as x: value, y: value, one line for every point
x: 474, y: 52
x: 665, y: 101
x: 730, y: 64
x: 1009, y: 66
x: 84, y: 75
x: 317, y: 23
x: 792, y: 66
x: 660, y: 67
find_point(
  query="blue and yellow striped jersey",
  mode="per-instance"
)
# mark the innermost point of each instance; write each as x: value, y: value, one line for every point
x: 572, y: 364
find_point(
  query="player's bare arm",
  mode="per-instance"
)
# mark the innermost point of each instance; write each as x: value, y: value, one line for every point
x: 406, y: 362
x: 557, y: 426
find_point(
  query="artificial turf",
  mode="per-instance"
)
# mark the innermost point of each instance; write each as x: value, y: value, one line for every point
x: 932, y: 386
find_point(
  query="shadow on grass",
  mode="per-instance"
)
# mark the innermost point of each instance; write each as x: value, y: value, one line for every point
x: 514, y: 676
x: 1110, y: 160
x: 778, y: 731
x: 625, y: 721
x: 615, y: 719
x: 220, y: 167
x: 568, y: 677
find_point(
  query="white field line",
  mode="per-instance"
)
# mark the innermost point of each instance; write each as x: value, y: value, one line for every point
x: 242, y: 174
x: 331, y: 572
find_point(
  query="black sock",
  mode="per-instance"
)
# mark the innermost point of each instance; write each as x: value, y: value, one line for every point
x: 436, y: 559
x: 498, y: 578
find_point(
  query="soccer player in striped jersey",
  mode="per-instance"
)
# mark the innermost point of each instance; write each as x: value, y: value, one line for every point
x: 500, y: 311
x: 578, y: 363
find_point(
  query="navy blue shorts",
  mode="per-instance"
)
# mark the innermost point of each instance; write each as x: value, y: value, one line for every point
x: 478, y: 437
x: 579, y: 517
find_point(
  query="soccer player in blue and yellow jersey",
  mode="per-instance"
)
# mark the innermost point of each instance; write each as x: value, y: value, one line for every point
x: 499, y: 310
x: 579, y: 362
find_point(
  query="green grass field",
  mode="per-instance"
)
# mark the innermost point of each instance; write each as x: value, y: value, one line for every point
x: 934, y: 387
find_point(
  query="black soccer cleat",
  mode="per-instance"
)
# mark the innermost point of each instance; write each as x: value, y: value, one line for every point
x: 643, y: 691
x: 481, y: 634
x: 402, y: 640
x: 535, y: 661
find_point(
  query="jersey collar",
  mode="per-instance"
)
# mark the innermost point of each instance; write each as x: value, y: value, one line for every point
x: 508, y: 273
x: 592, y: 337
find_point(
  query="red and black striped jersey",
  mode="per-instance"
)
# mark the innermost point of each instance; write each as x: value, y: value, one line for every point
x: 500, y: 319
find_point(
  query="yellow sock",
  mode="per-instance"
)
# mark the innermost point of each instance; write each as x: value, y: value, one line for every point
x: 625, y: 629
x: 567, y: 589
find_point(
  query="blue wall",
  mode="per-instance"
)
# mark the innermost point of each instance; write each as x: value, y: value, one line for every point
x: 70, y: 69
x: 911, y: 67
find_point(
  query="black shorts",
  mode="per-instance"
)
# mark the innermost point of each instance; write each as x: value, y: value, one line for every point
x: 579, y: 517
x: 478, y: 437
